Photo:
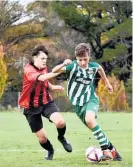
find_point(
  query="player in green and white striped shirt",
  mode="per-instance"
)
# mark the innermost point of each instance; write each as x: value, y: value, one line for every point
x: 81, y: 93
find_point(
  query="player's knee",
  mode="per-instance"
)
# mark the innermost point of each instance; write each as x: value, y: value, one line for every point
x: 60, y: 124
x: 90, y: 123
x: 42, y: 139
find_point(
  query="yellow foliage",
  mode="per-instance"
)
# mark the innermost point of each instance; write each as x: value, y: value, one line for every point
x: 28, y: 44
x: 3, y: 74
x: 116, y: 101
x: 104, y: 38
x: 82, y: 11
x: 24, y: 48
x: 24, y: 29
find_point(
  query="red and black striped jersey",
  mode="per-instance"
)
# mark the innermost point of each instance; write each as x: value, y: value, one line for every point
x: 34, y: 93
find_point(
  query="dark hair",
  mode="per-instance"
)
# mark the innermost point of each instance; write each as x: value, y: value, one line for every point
x: 39, y: 48
x: 81, y: 48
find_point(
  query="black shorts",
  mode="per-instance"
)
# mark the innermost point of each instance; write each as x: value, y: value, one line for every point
x: 33, y: 115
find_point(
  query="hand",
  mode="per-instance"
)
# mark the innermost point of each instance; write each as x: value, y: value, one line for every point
x: 67, y: 61
x: 59, y: 87
x: 110, y: 88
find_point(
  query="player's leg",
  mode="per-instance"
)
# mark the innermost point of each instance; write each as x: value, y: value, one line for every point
x: 53, y: 114
x: 45, y: 143
x: 90, y: 119
x: 58, y: 120
x: 35, y: 122
x: 98, y: 133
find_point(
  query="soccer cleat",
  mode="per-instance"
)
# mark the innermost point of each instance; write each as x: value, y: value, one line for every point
x: 116, y: 156
x: 50, y: 155
x: 105, y: 158
x: 65, y: 144
x: 107, y: 155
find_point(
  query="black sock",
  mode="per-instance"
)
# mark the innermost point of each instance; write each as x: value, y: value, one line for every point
x: 47, y: 146
x: 109, y: 146
x: 61, y: 132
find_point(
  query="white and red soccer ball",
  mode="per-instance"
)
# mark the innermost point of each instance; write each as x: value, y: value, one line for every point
x: 93, y: 154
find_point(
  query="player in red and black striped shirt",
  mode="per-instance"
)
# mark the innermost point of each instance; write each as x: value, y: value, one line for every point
x: 37, y: 101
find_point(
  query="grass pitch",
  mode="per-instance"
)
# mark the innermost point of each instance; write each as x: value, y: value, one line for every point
x: 20, y: 148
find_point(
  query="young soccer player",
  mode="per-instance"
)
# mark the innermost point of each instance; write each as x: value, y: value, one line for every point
x: 37, y: 101
x: 81, y: 92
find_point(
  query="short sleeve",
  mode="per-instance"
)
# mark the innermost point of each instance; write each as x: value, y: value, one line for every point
x: 31, y: 74
x: 94, y: 64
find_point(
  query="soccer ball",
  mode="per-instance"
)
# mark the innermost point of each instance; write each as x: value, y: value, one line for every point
x: 93, y: 154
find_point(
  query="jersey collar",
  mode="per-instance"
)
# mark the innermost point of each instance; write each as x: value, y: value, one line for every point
x: 31, y: 63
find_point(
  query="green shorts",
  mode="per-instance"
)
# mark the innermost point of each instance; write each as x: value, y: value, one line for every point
x: 91, y: 106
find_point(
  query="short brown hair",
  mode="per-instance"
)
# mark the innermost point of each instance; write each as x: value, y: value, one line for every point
x: 39, y: 48
x: 81, y: 48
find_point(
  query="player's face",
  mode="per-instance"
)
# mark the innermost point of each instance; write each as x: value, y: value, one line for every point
x: 83, y: 60
x: 40, y: 60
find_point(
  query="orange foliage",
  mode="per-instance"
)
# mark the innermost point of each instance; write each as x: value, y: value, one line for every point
x: 115, y: 101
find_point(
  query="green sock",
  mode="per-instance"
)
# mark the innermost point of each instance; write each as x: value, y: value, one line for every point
x: 100, y: 136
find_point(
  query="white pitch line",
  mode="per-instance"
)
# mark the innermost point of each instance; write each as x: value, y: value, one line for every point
x: 58, y: 150
x: 29, y: 150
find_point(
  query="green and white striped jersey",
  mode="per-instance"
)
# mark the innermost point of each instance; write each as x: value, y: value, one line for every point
x: 80, y: 82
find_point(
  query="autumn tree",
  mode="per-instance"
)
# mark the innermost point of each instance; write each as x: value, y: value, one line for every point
x: 107, y: 25
x: 55, y: 27
x: 10, y: 12
x: 116, y: 101
x: 3, y: 71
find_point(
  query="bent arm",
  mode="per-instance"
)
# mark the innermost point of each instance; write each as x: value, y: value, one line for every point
x: 103, y: 75
x: 51, y: 86
x: 55, y: 87
x: 47, y: 76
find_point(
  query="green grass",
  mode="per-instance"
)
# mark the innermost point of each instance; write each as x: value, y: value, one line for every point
x: 20, y: 148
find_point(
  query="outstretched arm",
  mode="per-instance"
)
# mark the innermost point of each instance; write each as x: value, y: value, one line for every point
x: 55, y: 71
x: 103, y: 75
x: 61, y: 67
x: 47, y: 76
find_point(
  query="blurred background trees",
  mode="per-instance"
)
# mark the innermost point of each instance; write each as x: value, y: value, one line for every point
x: 116, y: 101
x: 60, y: 26
x: 3, y: 71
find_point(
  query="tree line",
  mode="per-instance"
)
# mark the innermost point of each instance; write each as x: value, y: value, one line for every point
x: 60, y: 26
